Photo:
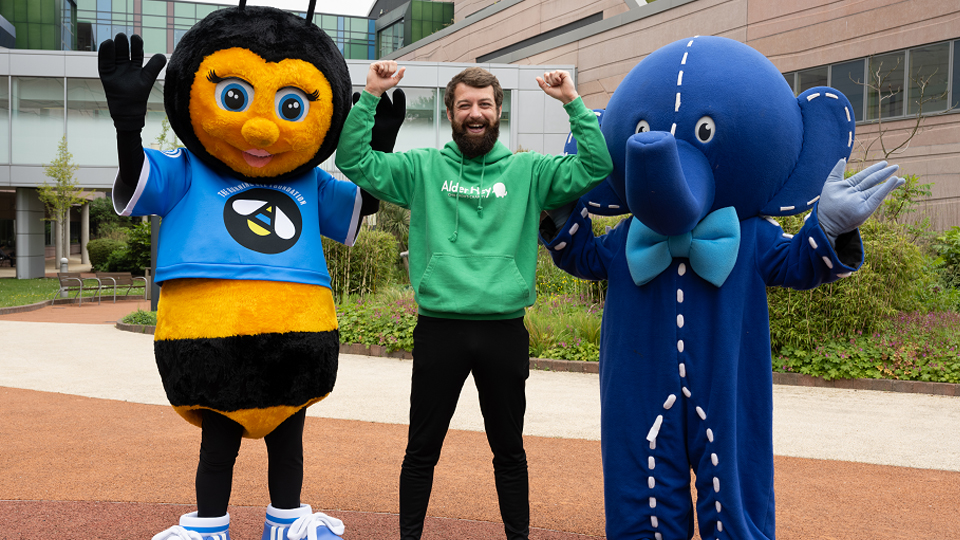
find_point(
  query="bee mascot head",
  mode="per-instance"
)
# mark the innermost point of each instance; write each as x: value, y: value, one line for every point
x: 258, y: 92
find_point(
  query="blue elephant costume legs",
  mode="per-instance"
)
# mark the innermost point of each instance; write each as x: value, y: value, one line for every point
x: 673, y: 404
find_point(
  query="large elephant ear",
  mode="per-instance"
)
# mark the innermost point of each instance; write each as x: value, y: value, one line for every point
x: 828, y: 132
x: 602, y: 200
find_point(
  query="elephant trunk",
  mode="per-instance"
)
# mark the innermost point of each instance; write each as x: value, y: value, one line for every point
x: 669, y: 184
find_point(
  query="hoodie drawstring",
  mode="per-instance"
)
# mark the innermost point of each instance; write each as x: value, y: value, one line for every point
x: 456, y: 227
x: 483, y: 170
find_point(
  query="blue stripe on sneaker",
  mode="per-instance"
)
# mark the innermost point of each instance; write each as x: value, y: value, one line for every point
x: 281, y: 521
x: 206, y: 531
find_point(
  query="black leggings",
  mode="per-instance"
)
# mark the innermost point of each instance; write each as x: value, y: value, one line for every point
x: 218, y: 453
x: 445, y: 351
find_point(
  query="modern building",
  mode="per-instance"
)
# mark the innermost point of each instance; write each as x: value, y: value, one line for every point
x: 45, y: 94
x: 48, y: 94
x: 814, y: 42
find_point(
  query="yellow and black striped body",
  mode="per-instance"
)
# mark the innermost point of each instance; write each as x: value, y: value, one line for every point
x: 254, y: 351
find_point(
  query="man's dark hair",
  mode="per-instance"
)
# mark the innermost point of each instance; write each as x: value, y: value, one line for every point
x: 477, y: 78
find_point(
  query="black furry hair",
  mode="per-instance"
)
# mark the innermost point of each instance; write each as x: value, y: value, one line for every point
x: 272, y: 34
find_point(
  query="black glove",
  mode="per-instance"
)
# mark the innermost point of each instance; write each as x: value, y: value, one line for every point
x: 387, y: 120
x: 126, y: 81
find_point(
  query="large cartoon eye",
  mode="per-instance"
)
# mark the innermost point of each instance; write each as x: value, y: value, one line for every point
x: 234, y: 95
x: 705, y: 129
x: 292, y: 104
x: 642, y: 127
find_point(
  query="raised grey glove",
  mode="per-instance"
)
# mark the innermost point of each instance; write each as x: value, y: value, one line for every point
x: 846, y: 203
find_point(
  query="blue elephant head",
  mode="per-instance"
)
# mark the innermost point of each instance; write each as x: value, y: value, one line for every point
x: 707, y: 123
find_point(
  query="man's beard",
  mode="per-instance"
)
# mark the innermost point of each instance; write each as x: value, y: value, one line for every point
x: 472, y: 146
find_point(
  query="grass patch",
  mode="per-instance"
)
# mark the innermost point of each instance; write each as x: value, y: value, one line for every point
x: 23, y: 292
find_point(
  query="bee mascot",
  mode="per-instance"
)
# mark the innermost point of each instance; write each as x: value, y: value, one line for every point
x: 707, y: 141
x: 246, y: 333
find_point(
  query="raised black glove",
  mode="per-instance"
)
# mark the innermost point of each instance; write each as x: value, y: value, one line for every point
x: 387, y: 120
x: 126, y: 81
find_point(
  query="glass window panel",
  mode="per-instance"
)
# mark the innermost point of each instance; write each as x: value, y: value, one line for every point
x: 4, y: 120
x: 885, y: 72
x: 848, y: 79
x: 811, y: 77
x: 154, y: 21
x: 929, y: 69
x: 155, y: 116
x: 154, y: 40
x: 203, y: 11
x: 89, y: 125
x: 37, y: 119
x: 418, y: 129
x: 329, y: 23
x: 956, y: 73
x: 358, y: 25
x: 88, y: 4
x: 788, y: 77
x: 34, y: 12
x: 154, y: 7
x: 416, y: 9
x: 183, y: 9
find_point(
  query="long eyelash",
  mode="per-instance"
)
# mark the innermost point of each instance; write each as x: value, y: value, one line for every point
x: 313, y: 96
x: 214, y: 78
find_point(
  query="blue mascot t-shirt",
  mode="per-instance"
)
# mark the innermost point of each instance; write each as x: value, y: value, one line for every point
x: 221, y: 227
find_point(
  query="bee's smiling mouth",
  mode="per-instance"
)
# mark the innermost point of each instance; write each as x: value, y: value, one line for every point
x: 257, y: 157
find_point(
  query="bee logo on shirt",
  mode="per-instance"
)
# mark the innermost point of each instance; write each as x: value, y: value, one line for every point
x: 263, y: 220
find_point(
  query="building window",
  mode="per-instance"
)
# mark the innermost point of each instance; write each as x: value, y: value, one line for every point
x: 809, y: 78
x: 5, y: 120
x: 929, y: 73
x: 885, y: 94
x: 89, y: 126
x: 390, y: 39
x: 37, y: 106
x: 848, y: 79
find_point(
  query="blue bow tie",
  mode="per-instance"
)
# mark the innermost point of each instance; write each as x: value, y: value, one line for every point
x: 712, y: 248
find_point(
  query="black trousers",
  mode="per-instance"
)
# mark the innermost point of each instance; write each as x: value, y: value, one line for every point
x: 219, y: 446
x: 445, y: 351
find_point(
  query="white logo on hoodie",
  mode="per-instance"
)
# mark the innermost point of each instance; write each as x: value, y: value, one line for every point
x: 473, y: 192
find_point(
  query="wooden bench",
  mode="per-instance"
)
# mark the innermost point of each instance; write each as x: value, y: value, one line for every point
x: 121, y: 279
x: 72, y: 281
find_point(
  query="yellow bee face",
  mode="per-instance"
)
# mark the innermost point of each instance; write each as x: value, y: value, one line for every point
x: 260, y: 118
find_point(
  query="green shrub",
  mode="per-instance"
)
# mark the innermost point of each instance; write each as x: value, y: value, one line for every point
x: 947, y: 248
x: 895, y: 277
x: 146, y: 318
x: 364, y: 268
x: 100, y: 250
x: 553, y: 281
x: 139, y: 245
x: 386, y: 319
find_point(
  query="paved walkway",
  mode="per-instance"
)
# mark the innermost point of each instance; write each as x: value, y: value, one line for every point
x: 89, y: 448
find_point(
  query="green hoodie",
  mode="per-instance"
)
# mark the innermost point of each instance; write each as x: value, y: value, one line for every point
x: 473, y: 222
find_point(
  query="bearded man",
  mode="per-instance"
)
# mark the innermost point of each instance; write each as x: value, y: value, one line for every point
x: 474, y: 215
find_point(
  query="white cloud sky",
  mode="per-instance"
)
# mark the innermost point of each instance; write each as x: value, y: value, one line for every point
x: 356, y: 8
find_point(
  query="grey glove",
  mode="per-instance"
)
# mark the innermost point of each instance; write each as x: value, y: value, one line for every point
x: 846, y: 203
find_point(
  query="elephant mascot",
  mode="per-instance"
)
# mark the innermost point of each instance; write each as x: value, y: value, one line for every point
x: 708, y: 143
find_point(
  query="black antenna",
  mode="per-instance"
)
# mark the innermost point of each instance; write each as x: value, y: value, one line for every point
x: 313, y: 5
x: 243, y: 4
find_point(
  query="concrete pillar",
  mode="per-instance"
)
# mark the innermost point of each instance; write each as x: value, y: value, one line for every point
x: 30, y: 234
x: 84, y: 232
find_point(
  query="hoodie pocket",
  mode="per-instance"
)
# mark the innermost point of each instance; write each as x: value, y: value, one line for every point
x: 472, y: 285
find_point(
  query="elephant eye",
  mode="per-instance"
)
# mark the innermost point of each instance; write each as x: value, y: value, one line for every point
x: 705, y: 129
x: 642, y: 127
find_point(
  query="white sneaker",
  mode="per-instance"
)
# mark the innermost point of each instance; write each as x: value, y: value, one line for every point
x: 197, y: 528
x: 299, y: 524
